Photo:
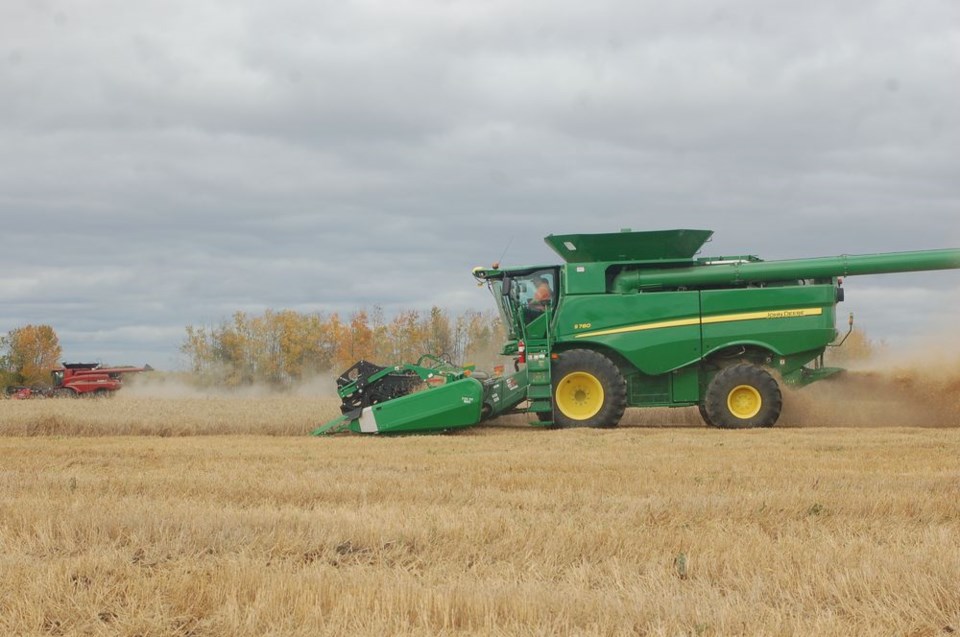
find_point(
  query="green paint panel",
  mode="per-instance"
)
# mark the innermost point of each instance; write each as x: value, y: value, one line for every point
x: 679, y: 387
x: 584, y: 278
x: 629, y: 246
x: 450, y: 406
x: 503, y: 393
x: 686, y: 385
x: 644, y: 390
x: 581, y: 321
x: 787, y: 331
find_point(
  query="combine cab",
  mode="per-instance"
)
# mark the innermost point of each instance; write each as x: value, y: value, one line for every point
x: 632, y: 319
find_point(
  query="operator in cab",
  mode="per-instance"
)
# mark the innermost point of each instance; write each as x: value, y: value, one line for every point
x: 542, y: 295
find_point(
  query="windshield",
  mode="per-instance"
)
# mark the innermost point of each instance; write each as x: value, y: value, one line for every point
x: 57, y: 377
x: 506, y: 315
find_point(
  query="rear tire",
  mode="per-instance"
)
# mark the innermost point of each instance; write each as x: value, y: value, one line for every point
x: 742, y: 396
x: 588, y: 390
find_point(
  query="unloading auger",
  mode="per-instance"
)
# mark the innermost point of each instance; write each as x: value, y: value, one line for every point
x: 632, y: 319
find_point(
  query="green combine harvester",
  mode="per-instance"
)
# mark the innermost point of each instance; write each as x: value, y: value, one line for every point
x: 631, y: 319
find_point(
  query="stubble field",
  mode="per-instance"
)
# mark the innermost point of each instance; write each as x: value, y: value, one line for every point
x: 217, y: 516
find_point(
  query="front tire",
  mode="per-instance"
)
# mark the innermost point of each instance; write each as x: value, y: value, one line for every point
x: 743, y: 396
x: 588, y: 390
x: 705, y: 416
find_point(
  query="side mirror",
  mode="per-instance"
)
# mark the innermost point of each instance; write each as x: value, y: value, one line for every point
x: 507, y: 284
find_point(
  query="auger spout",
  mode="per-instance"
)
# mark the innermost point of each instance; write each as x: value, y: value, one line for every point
x: 744, y: 272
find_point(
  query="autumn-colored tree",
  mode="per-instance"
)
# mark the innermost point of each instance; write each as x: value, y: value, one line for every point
x: 439, y: 337
x: 292, y: 343
x: 340, y: 356
x: 233, y: 350
x: 361, y: 337
x: 198, y: 347
x: 407, y: 334
x: 319, y: 346
x: 382, y: 348
x: 31, y: 352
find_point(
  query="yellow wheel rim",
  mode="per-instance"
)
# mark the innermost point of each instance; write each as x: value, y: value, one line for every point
x: 579, y: 395
x: 744, y: 402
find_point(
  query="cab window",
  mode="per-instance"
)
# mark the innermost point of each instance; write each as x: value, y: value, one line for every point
x: 535, y: 291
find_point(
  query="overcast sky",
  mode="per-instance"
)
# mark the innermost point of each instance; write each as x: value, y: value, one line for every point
x: 166, y: 163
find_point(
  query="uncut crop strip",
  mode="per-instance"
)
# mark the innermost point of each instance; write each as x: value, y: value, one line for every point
x: 277, y: 415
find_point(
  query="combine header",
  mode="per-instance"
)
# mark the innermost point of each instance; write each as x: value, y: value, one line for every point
x: 386, y: 399
x: 632, y: 319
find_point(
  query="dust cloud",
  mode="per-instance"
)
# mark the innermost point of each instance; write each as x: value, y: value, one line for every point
x: 182, y: 385
x: 913, y: 386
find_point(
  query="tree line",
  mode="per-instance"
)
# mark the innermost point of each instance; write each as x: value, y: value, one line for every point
x: 285, y: 346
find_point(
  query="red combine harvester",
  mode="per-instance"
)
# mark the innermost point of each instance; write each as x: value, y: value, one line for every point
x: 80, y: 379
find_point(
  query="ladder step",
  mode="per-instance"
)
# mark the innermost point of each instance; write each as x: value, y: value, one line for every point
x: 539, y: 406
x: 539, y: 378
x: 539, y: 391
x: 538, y: 363
x: 540, y: 387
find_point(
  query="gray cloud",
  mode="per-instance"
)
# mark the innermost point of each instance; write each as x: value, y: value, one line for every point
x: 167, y: 163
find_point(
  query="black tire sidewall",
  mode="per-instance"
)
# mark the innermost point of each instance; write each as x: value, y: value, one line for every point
x: 705, y: 416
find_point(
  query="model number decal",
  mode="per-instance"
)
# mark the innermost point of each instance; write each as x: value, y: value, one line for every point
x: 582, y: 326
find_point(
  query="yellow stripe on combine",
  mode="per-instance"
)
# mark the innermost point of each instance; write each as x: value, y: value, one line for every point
x: 706, y: 320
